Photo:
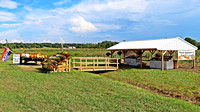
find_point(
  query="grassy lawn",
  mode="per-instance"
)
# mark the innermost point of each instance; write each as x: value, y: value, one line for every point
x: 32, y: 90
x: 23, y: 90
x: 185, y: 85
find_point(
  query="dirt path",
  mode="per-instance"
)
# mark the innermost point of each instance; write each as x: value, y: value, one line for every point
x: 31, y: 66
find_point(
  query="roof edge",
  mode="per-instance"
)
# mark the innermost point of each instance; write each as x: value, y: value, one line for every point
x: 152, y: 39
x: 188, y: 43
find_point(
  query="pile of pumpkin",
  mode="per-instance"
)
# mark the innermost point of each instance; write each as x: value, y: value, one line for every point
x: 37, y: 55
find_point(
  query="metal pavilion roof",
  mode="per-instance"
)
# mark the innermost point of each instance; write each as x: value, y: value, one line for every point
x: 157, y: 44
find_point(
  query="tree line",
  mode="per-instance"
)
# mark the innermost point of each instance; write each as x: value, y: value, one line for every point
x: 193, y: 42
x: 103, y: 44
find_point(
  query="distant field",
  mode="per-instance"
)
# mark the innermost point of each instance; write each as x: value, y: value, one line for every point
x: 73, y: 52
x: 23, y: 89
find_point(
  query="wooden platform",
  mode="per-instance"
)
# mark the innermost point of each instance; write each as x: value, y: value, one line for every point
x: 95, y: 63
x: 103, y: 68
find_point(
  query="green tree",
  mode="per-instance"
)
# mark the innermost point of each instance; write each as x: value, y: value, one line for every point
x: 198, y: 45
x: 192, y: 41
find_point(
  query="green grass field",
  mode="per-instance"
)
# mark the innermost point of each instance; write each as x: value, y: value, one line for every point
x: 185, y: 85
x: 31, y: 90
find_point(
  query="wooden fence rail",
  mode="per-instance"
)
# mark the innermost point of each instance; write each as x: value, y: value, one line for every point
x: 95, y: 63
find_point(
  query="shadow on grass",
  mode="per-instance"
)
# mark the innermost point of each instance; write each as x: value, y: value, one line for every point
x: 121, y: 67
x: 40, y: 70
x: 30, y: 64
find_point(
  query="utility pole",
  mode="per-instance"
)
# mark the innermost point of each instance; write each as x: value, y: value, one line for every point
x: 6, y: 43
x: 61, y: 46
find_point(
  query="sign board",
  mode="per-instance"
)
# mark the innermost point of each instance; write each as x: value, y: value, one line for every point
x: 16, y: 59
x: 186, y: 55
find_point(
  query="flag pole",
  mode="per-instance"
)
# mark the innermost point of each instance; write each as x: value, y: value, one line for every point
x: 8, y: 46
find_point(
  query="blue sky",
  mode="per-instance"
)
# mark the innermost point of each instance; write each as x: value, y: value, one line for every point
x: 86, y: 21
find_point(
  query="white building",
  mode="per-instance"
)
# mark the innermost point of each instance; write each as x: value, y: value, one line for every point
x: 170, y: 45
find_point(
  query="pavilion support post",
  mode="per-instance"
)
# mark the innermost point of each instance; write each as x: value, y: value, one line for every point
x: 177, y: 60
x: 124, y: 52
x: 162, y: 60
x: 193, y: 63
x: 141, y: 61
x: 142, y: 51
x: 112, y: 52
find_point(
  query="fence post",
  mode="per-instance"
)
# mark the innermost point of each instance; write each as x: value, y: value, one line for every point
x: 109, y: 59
x: 54, y: 69
x: 66, y: 65
x: 69, y: 67
x: 74, y: 62
x: 62, y: 70
x: 97, y: 62
x: 81, y: 64
x: 106, y: 62
x: 117, y: 64
x: 93, y: 64
x: 86, y: 62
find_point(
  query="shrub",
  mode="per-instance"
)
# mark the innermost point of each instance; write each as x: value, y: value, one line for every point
x: 139, y: 52
x: 158, y: 54
x: 108, y: 54
x: 119, y: 53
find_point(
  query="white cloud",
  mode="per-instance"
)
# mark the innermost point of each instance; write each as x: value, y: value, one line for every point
x: 3, y: 41
x: 8, y: 4
x: 111, y: 9
x: 135, y: 6
x: 28, y: 8
x: 46, y: 41
x: 10, y: 25
x: 160, y: 7
x: 10, y: 34
x: 105, y: 27
x: 17, y: 41
x: 134, y: 10
x: 7, y: 16
x: 96, y: 16
x: 81, y: 25
x: 62, y: 2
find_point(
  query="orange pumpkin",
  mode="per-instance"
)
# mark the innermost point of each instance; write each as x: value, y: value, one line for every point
x: 38, y: 54
x: 34, y: 55
x: 31, y: 56
x: 22, y: 54
x: 42, y: 56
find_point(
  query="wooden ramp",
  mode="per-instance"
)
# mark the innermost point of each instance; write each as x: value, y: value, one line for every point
x: 95, y: 63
